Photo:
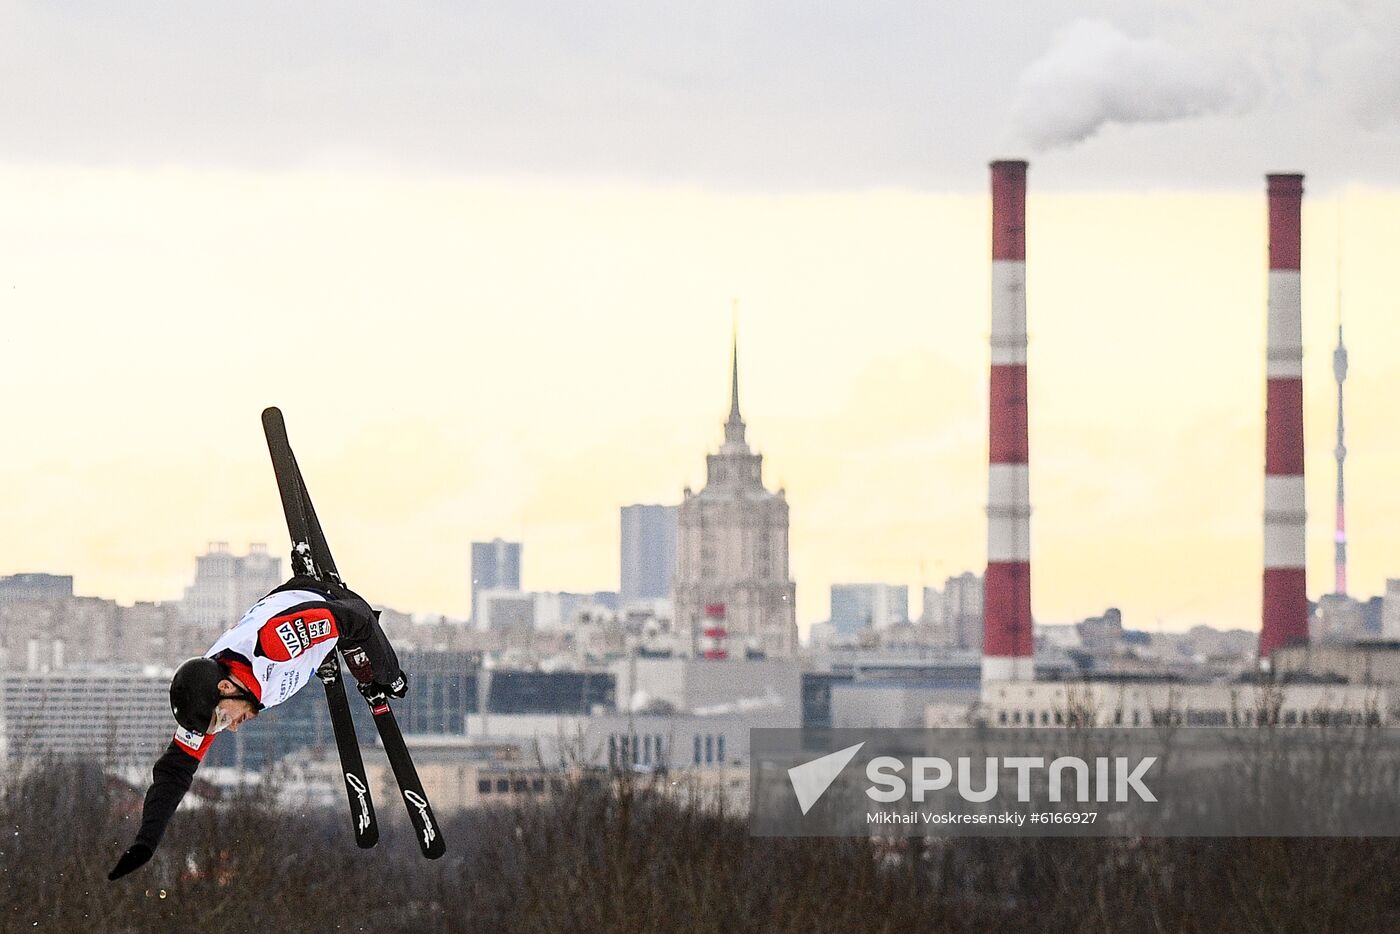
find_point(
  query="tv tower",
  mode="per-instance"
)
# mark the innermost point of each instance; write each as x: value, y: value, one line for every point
x: 1339, y: 369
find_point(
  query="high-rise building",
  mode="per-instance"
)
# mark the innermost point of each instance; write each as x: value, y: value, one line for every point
x: 441, y: 692
x: 117, y: 716
x: 495, y: 566
x: 963, y: 601
x: 1390, y: 610
x: 225, y: 584
x: 1337, y: 618
x: 52, y: 635
x: 867, y: 606
x: 932, y: 613
x: 19, y: 588
x: 732, y: 553
x: 648, y: 553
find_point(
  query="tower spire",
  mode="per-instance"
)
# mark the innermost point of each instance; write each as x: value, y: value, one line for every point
x: 734, y: 428
x: 1339, y: 370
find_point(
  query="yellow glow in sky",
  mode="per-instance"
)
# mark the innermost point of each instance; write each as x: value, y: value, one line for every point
x: 459, y: 361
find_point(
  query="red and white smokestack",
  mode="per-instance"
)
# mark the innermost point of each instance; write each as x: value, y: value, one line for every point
x: 1007, y: 649
x: 1285, y: 579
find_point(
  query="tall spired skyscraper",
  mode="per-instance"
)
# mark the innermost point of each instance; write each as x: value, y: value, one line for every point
x: 732, y: 554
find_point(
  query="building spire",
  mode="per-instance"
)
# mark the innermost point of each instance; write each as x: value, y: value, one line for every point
x: 734, y: 428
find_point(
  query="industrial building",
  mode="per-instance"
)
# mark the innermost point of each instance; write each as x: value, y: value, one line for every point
x: 1130, y: 703
x: 1364, y: 663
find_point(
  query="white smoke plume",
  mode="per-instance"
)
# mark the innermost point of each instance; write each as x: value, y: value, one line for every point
x: 1094, y: 75
x: 1302, y: 60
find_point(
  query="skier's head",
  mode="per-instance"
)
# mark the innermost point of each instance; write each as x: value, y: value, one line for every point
x: 205, y: 698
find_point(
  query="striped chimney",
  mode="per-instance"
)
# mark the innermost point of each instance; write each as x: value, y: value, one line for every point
x: 1007, y: 650
x: 1285, y: 614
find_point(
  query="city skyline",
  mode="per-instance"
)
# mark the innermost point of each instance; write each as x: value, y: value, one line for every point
x: 493, y: 296
x: 935, y: 568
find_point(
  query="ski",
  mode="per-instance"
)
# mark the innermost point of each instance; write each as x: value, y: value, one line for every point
x: 296, y: 506
x: 415, y: 799
x: 309, y: 547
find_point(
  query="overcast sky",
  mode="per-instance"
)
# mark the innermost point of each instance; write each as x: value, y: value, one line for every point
x: 735, y: 95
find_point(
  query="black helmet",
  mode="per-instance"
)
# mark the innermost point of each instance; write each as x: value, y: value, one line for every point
x: 194, y: 693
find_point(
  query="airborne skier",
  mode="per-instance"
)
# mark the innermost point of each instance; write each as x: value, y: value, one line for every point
x: 259, y: 663
x: 268, y: 656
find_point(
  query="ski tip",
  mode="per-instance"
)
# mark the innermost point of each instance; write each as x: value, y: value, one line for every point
x: 367, y: 841
x: 436, y: 850
x: 273, y: 425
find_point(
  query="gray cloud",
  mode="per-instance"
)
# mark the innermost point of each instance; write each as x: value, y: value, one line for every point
x: 765, y: 96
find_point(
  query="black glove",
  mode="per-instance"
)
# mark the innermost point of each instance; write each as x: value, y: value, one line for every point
x: 377, y: 693
x: 134, y: 858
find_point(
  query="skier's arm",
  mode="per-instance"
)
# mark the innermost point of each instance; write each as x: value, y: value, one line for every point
x: 170, y: 779
x: 368, y: 654
x: 359, y: 629
x: 172, y: 776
